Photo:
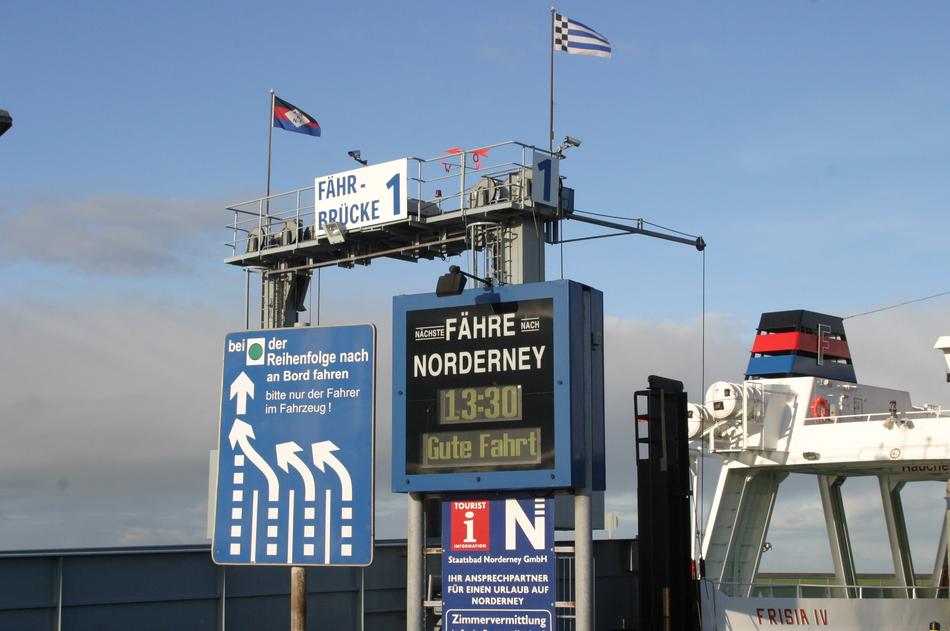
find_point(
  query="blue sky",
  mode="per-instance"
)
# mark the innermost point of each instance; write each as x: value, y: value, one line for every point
x: 808, y: 142
x: 802, y: 139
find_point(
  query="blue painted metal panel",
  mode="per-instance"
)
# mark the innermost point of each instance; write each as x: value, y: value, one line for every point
x: 119, y: 579
x: 789, y: 365
x: 28, y: 583
x: 598, y: 447
x: 255, y: 597
x: 295, y: 471
x: 154, y: 616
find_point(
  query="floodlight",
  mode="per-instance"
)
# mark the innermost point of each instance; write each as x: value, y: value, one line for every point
x: 6, y: 121
x: 335, y: 232
x: 450, y: 284
x: 357, y: 155
x: 453, y: 283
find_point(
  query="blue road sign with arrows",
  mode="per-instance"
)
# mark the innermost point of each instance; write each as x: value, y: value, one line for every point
x: 296, y: 447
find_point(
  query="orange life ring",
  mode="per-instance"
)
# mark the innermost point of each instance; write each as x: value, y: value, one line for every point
x: 820, y: 408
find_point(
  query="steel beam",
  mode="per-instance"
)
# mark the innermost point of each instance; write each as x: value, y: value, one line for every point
x: 837, y: 525
x: 897, y: 532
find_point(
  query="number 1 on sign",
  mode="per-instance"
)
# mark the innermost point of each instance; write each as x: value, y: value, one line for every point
x: 393, y: 183
x: 545, y: 167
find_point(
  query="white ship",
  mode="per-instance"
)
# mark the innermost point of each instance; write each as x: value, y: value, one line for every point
x: 801, y: 410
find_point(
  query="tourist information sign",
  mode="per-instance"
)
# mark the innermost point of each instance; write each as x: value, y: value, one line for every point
x: 296, y: 447
x: 498, y: 565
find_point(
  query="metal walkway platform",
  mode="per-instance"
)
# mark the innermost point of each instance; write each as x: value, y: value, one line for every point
x: 451, y: 199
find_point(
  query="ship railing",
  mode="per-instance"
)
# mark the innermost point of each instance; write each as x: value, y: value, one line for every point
x: 868, y: 589
x: 735, y: 435
x: 900, y: 418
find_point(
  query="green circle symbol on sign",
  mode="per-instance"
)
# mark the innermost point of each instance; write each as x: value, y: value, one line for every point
x: 255, y: 351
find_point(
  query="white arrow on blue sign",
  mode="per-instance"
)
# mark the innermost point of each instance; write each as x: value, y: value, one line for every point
x: 296, y: 447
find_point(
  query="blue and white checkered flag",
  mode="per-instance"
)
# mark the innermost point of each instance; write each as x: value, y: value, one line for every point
x: 574, y: 38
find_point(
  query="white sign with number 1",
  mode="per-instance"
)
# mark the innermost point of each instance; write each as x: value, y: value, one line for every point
x: 368, y: 196
x: 545, y: 186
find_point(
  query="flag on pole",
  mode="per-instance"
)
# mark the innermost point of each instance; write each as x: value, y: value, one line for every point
x: 574, y: 38
x: 292, y: 118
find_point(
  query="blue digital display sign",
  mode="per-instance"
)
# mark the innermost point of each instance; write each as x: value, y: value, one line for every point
x: 498, y: 388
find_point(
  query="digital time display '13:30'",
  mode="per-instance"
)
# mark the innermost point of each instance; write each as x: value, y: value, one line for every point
x: 475, y: 404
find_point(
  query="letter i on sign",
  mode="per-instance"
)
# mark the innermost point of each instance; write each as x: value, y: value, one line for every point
x: 470, y: 525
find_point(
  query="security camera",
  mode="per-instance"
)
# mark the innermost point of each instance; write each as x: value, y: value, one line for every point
x: 357, y: 155
x: 571, y: 141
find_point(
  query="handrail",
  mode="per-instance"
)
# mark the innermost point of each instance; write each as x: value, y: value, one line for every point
x: 257, y: 224
x: 869, y: 416
x: 830, y: 590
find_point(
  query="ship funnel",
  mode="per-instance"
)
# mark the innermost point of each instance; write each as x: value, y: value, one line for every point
x: 800, y: 343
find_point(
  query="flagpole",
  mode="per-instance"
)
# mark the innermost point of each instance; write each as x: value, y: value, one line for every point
x: 560, y: 222
x: 551, y: 111
x: 270, y: 140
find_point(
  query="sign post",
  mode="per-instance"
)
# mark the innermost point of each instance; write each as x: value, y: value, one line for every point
x: 295, y: 470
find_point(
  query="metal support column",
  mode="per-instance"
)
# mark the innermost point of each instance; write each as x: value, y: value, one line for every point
x: 940, y: 560
x: 583, y: 528
x: 947, y: 531
x: 897, y: 532
x: 362, y: 599
x: 415, y: 563
x: 837, y: 525
x: 524, y: 244
x: 222, y: 597
x: 59, y: 594
x: 583, y: 563
x: 298, y: 598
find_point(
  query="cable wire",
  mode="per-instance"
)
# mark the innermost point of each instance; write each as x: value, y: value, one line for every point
x: 700, y: 524
x: 900, y: 304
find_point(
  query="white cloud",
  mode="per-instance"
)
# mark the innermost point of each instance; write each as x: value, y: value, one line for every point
x: 109, y: 411
x: 111, y: 406
x: 112, y: 235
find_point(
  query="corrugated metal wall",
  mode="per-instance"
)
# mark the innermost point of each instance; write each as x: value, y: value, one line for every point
x: 179, y: 588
